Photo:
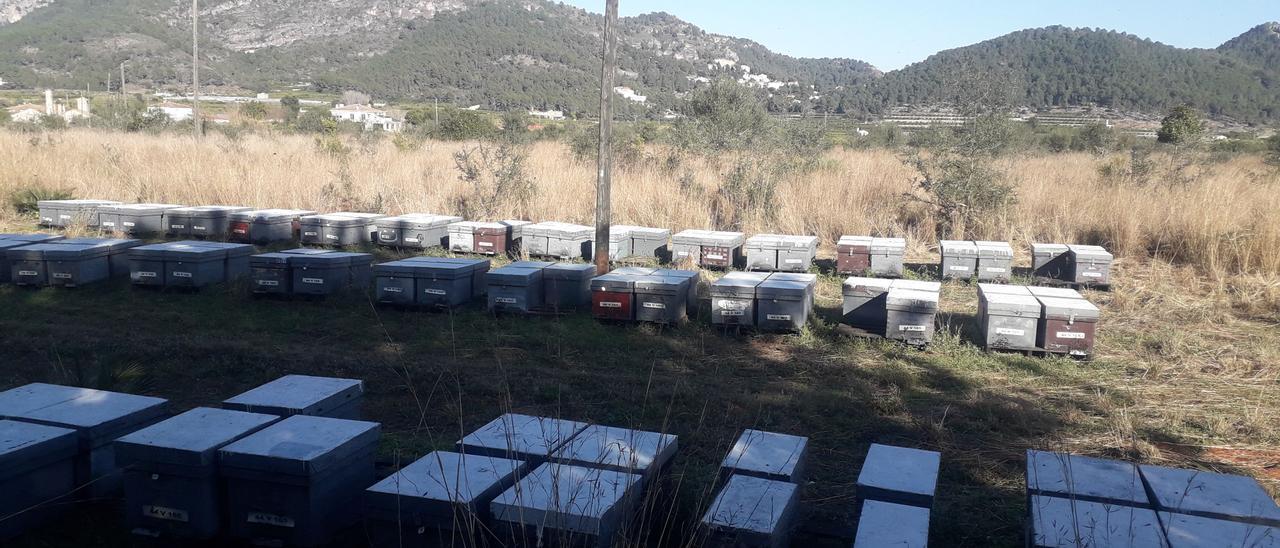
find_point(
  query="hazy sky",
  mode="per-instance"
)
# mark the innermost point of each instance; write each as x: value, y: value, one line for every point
x: 891, y: 34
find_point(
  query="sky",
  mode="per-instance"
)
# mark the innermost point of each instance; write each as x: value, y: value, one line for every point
x: 891, y: 35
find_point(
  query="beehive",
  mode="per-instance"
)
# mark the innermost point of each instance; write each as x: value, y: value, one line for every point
x: 1085, y: 478
x: 447, y: 282
x: 64, y: 213
x: 995, y: 261
x: 566, y: 505
x: 784, y: 301
x: 171, y: 471
x: 900, y: 475
x: 1009, y: 321
x: 780, y: 253
x: 515, y: 288
x: 200, y: 222
x: 864, y: 303
x: 563, y: 241
x: 910, y: 315
x: 1061, y: 523
x: 733, y: 298
x: 37, y: 472
x: 619, y: 449
x: 270, y: 273
x: 883, y: 524
x: 959, y: 260
x: 293, y: 482
x: 520, y: 437
x: 567, y: 286
x: 341, y: 229
x: 661, y: 299
x: 853, y: 255
x: 415, y: 230
x: 1090, y: 265
x: 134, y: 219
x: 707, y: 248
x: 613, y: 296
x: 441, y: 491
x: 751, y: 512
x: 1067, y: 326
x: 1049, y: 261
x: 648, y: 242
x: 265, y: 226
x: 117, y: 251
x: 303, y: 395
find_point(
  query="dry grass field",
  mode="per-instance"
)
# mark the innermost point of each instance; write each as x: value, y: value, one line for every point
x: 1187, y: 369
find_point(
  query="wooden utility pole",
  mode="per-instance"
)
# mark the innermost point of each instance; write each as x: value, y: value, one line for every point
x: 198, y: 123
x: 603, y: 179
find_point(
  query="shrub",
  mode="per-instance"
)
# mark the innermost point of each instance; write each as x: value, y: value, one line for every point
x: 496, y: 182
x: 24, y: 201
x: 464, y: 125
x: 1182, y: 126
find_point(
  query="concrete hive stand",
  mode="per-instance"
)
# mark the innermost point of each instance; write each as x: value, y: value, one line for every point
x: 751, y: 512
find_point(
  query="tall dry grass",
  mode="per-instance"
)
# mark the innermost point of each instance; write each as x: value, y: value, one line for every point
x: 1226, y: 219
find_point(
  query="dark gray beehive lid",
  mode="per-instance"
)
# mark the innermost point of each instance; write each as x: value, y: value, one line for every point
x: 298, y: 395
x: 1087, y: 478
x: 530, y: 264
x: 633, y: 271
x: 450, y: 477
x: 32, y: 238
x: 71, y: 252
x: 307, y: 251
x: 232, y: 250
x: 738, y: 284
x: 1208, y: 494
x: 325, y: 260
x: 96, y: 415
x: 357, y: 259
x: 614, y: 282
x: 399, y: 269
x: 29, y: 252
x: 661, y: 285
x: 25, y: 446
x: 115, y: 245
x: 785, y: 288
x: 191, y: 252
x: 569, y: 271
x: 271, y: 215
x: 301, y: 445
x: 154, y: 251
x: 271, y: 260
x: 865, y: 287
x: 513, y: 276
x: 911, y: 300
x: 189, y: 439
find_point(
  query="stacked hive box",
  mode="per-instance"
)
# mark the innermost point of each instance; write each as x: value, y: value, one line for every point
x: 995, y: 261
x: 37, y: 471
x: 189, y: 264
x: 567, y: 286
x: 902, y: 310
x: 1068, y: 322
x: 1008, y: 317
x: 563, y: 241
x: 733, y: 298
x: 15, y: 241
x: 64, y: 213
x: 96, y: 416
x: 959, y: 260
x: 566, y: 505
x: 644, y: 294
x: 780, y: 253
x: 117, y: 251
x: 67, y: 262
x: 439, y: 282
x: 171, y: 483
x: 1069, y: 495
x: 708, y: 248
x: 759, y: 500
x: 486, y: 238
x: 988, y: 261
x: 265, y: 226
x: 330, y: 273
x: 339, y: 229
x: 1086, y: 265
x: 415, y: 230
x: 627, y: 241
x: 303, y: 395
x: 896, y: 489
x: 134, y: 219
x: 517, y: 287
x: 873, y: 257
x: 200, y: 222
x: 293, y: 482
x: 779, y: 301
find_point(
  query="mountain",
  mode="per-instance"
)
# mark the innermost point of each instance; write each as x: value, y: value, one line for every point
x: 1058, y: 67
x: 500, y: 53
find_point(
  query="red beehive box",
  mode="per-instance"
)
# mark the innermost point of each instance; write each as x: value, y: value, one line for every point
x: 613, y: 297
x: 238, y: 231
x: 492, y: 240
x: 853, y: 255
x: 1067, y: 326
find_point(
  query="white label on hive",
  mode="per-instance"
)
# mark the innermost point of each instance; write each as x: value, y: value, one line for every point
x: 270, y: 519
x: 64, y: 216
x: 28, y: 273
x: 1091, y: 274
x: 127, y: 223
x: 178, y: 226
x: 610, y: 304
x: 412, y: 240
x: 1070, y: 335
x: 62, y: 275
x: 1010, y: 332
x: 146, y: 274
x: 505, y: 300
x: 197, y: 227
x: 331, y: 236
x: 732, y: 313
x: 47, y: 219
x: 108, y: 223
x: 995, y: 269
x: 317, y: 281
x: 959, y: 267
x: 731, y: 304
x: 393, y: 290
x: 309, y: 233
x: 240, y: 230
x: 654, y: 305
x: 268, y: 283
x: 779, y: 317
x: 160, y: 512
x: 177, y: 274
x: 917, y: 328
x: 794, y: 261
x: 682, y: 253
x: 715, y: 256
x: 435, y: 291
x: 486, y: 244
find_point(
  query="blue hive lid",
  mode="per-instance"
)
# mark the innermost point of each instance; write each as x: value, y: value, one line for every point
x: 189, y: 439
x: 301, y: 445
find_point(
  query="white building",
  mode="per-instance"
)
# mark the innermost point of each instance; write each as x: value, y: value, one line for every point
x: 177, y: 112
x: 547, y: 114
x: 26, y: 113
x: 629, y: 94
x: 369, y: 117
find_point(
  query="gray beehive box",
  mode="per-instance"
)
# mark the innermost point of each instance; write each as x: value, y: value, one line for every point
x: 985, y: 290
x: 479, y: 267
x: 560, y: 240
x: 767, y: 455
x: 661, y: 299
x: 1085, y: 478
x: 446, y: 284
x: 1067, y: 326
x: 6, y: 263
x: 567, y: 286
x: 192, y: 265
x: 565, y: 505
x: 959, y: 259
x: 708, y: 248
x: 443, y: 490
x: 74, y: 265
x: 340, y: 229
x: 619, y: 242
x: 134, y: 219
x: 146, y: 264
x: 36, y: 238
x: 645, y: 241
x: 886, y: 257
x: 515, y: 245
x: 515, y: 288
x: 1089, y: 264
x: 360, y: 271
x: 864, y: 303
x: 64, y: 213
x: 780, y: 253
x: 887, y: 524
x: 270, y: 273
x: 751, y: 512
x: 462, y: 235
x: 1055, y: 292
x: 784, y: 301
x: 117, y: 249
x: 1049, y: 261
x: 619, y: 449
x: 415, y: 230
x: 520, y: 437
x: 1066, y: 523
x: 1210, y: 495
x: 294, y: 481
x: 900, y: 475
x: 733, y: 298
x: 395, y: 282
x: 324, y: 274
x: 200, y: 222
x: 1009, y: 321
x: 27, y: 265
x: 1185, y: 531
x: 910, y: 315
x: 237, y: 263
x: 303, y: 395
x: 171, y: 471
x: 995, y: 261
x: 265, y: 226
x: 97, y: 417
x: 36, y: 470
x: 695, y: 279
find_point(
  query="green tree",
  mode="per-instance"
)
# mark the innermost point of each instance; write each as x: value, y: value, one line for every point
x: 1182, y: 126
x: 316, y: 121
x: 463, y: 125
x: 254, y: 110
x: 292, y: 106
x: 723, y: 116
x: 53, y: 121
